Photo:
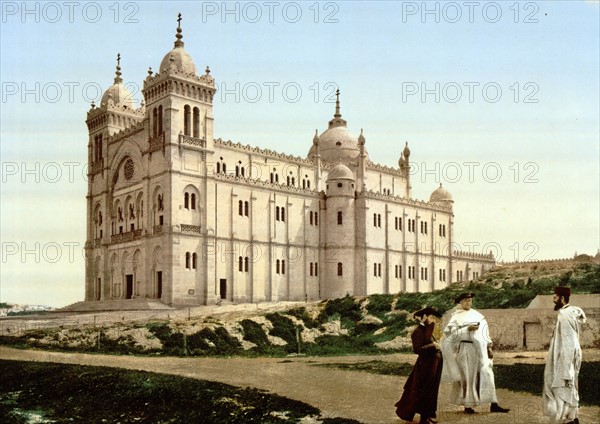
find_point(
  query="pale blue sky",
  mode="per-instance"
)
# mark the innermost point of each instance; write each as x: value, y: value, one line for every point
x: 375, y: 52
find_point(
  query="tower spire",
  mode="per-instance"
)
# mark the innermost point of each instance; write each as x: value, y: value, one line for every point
x: 178, y: 36
x: 118, y: 78
x: 337, y: 120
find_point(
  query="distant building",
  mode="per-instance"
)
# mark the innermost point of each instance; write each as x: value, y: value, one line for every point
x: 176, y: 215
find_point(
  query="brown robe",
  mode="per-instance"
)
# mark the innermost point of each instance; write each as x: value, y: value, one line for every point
x: 421, y: 389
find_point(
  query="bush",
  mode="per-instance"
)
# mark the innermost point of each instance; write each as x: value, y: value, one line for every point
x: 254, y: 333
x: 346, y: 307
x: 303, y: 315
x: 380, y: 304
x: 285, y: 328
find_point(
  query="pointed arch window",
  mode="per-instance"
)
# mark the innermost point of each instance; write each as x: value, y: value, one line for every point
x: 340, y: 218
x: 277, y: 264
x: 193, y: 201
x: 240, y: 209
x: 283, y: 266
x: 194, y: 260
x: 186, y: 200
x: 246, y: 263
x: 187, y: 260
x: 246, y: 208
x: 340, y: 269
x: 240, y: 264
x: 154, y: 122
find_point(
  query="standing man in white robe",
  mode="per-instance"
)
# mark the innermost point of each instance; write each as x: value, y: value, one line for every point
x: 560, y: 398
x: 467, y: 353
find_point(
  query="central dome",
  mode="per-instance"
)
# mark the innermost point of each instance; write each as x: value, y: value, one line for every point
x: 336, y: 144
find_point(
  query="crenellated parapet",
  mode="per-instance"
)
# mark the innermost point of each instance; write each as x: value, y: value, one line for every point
x: 403, y: 200
x: 264, y: 184
x: 460, y: 254
x: 263, y: 152
x: 125, y: 133
x: 383, y: 168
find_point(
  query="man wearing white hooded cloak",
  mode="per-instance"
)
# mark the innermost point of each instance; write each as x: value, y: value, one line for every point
x: 467, y: 353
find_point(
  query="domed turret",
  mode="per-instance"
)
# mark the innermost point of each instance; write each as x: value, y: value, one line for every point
x: 336, y: 143
x: 340, y: 172
x: 178, y: 58
x: 441, y: 195
x: 117, y: 92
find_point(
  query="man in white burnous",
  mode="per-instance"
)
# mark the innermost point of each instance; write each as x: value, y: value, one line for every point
x: 467, y: 353
x: 560, y: 398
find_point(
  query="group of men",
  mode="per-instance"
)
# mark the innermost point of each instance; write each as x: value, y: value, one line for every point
x: 464, y: 359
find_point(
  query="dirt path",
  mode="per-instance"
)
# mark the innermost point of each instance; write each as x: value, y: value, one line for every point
x: 366, y: 397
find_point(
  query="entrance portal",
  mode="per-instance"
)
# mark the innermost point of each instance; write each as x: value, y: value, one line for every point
x: 129, y: 282
x: 223, y: 288
x: 159, y: 284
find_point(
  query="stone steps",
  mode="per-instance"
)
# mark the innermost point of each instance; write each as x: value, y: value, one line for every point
x: 116, y: 305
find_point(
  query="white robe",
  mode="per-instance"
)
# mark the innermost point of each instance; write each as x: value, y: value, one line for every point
x: 563, y: 362
x: 466, y: 363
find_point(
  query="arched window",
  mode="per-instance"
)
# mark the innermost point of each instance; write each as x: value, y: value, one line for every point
x: 288, y: 181
x: 186, y: 120
x: 246, y: 263
x: 224, y: 168
x: 243, y: 172
x: 277, y: 266
x: 311, y: 269
x: 237, y: 171
x: 276, y: 213
x: 240, y: 209
x: 283, y: 214
x: 186, y: 200
x: 246, y: 208
x: 303, y: 184
x: 308, y: 184
x: 194, y: 260
x: 240, y: 264
x: 379, y: 270
x: 218, y: 168
x: 316, y: 218
x: 193, y: 201
x: 379, y: 220
x: 272, y: 178
x: 311, y: 223
x: 316, y: 269
x: 340, y: 270
x: 160, y: 120
x: 196, y: 122
x: 154, y: 122
x: 339, y: 218
x: 283, y: 266
x: 187, y: 260
x: 276, y: 178
x: 374, y: 220
x: 374, y: 269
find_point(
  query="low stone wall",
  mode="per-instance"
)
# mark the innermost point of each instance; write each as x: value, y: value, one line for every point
x: 532, y: 329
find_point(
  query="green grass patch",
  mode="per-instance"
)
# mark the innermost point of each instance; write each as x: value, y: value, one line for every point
x: 83, y: 394
x: 374, y: 367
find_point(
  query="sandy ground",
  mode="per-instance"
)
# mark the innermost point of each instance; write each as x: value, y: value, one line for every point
x: 366, y: 397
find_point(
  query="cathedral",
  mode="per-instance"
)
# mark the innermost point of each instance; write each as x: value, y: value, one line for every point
x: 175, y: 215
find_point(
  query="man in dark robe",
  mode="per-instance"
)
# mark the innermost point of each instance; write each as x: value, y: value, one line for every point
x: 421, y: 389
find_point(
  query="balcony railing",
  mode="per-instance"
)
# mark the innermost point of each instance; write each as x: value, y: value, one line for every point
x: 97, y: 167
x: 192, y: 141
x: 156, y: 143
x: 125, y: 237
x: 185, y: 228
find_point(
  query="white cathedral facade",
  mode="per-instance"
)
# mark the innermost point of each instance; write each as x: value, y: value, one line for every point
x: 176, y: 215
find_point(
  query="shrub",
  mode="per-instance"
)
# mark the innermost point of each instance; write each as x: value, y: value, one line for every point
x: 254, y: 333
x: 285, y: 328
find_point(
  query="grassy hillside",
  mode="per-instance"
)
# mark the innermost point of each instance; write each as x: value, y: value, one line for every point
x: 367, y: 325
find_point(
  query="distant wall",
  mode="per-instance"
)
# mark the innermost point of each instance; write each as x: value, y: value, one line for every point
x: 532, y: 329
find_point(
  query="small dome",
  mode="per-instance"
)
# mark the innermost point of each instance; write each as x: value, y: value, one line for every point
x: 182, y: 61
x: 441, y: 195
x: 119, y: 94
x: 340, y: 172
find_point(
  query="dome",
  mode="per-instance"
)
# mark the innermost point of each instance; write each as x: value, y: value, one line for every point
x: 441, y: 195
x: 180, y: 59
x: 119, y: 94
x: 336, y: 144
x: 340, y: 172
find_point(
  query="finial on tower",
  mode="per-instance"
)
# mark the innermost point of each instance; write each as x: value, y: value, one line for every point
x: 179, y: 36
x: 150, y: 71
x: 337, y: 104
x: 118, y: 78
x: 207, y: 70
